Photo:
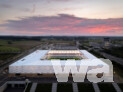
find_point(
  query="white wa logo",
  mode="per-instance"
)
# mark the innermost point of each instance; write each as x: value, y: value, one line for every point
x: 79, y: 70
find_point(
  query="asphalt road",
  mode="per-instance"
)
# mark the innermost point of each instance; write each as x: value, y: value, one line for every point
x: 113, y: 58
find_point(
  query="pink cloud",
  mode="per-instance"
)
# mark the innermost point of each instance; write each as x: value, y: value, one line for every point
x: 64, y: 25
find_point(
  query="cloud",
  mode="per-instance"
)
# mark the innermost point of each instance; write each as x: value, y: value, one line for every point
x: 50, y: 1
x: 59, y: 0
x: 64, y: 24
x: 34, y: 8
x: 24, y: 9
x: 5, y: 6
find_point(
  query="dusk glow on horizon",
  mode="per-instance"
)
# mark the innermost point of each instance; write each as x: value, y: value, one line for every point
x: 61, y: 17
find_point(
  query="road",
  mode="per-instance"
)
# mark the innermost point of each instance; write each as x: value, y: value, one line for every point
x: 113, y: 58
x: 110, y: 57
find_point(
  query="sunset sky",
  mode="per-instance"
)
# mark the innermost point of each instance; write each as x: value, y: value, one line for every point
x: 61, y: 17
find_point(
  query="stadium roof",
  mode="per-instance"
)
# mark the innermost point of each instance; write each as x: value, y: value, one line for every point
x: 35, y: 59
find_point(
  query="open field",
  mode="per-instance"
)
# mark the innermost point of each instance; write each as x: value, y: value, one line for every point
x: 22, y: 44
x: 8, y: 49
x: 5, y: 56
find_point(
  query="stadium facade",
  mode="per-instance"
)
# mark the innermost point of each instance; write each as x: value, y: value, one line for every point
x: 39, y: 62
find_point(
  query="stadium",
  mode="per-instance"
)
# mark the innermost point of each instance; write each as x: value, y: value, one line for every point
x: 39, y: 63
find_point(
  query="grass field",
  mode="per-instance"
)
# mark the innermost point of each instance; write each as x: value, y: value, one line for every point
x: 65, y: 58
x: 9, y: 49
x: 22, y: 44
x: 6, y: 56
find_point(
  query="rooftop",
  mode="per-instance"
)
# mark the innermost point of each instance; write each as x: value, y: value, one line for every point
x: 35, y: 58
